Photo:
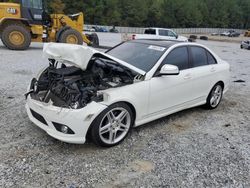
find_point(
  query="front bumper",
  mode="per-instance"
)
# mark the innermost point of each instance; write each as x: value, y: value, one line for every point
x: 77, y: 120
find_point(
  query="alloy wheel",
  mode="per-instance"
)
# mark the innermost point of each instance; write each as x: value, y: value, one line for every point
x: 114, y: 125
x: 216, y: 96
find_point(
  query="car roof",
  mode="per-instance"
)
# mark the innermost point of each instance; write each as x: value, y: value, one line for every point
x: 158, y: 28
x: 157, y: 42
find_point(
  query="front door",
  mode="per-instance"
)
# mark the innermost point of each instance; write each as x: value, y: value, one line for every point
x: 171, y: 92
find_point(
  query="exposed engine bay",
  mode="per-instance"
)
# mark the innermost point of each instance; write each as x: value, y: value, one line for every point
x: 71, y: 87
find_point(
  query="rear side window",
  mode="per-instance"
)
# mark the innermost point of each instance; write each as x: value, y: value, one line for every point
x: 178, y: 57
x: 150, y: 31
x: 210, y: 58
x: 199, y: 56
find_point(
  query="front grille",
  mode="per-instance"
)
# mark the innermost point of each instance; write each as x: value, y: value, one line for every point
x: 38, y: 117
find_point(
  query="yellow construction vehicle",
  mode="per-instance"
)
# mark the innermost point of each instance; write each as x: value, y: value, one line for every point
x: 247, y: 33
x: 27, y: 21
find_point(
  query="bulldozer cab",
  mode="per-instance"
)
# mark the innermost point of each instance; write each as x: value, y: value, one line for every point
x: 33, y: 11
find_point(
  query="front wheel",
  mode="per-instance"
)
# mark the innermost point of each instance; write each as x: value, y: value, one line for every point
x: 214, y: 97
x: 113, y: 125
x: 16, y: 37
x: 71, y: 36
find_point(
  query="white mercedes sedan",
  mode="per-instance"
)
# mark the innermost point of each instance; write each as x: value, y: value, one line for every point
x: 103, y: 95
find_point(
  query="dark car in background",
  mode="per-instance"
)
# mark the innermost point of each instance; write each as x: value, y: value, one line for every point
x: 245, y: 44
x: 99, y: 29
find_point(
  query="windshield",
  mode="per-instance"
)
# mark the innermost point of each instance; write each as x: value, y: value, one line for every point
x: 142, y: 56
x: 37, y: 4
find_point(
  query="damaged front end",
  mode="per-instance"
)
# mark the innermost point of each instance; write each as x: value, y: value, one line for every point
x: 71, y: 87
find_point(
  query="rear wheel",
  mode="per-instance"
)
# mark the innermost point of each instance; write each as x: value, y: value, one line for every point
x: 16, y: 37
x: 71, y: 36
x: 113, y: 125
x: 214, y: 97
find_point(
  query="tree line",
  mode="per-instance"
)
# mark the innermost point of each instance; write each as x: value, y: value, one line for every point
x: 162, y: 13
x: 159, y: 13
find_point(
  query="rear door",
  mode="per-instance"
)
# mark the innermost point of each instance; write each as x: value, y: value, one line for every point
x: 204, y: 69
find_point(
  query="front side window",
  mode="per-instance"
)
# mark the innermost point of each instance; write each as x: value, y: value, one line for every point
x: 199, y: 56
x: 163, y: 32
x: 178, y: 57
x: 171, y: 34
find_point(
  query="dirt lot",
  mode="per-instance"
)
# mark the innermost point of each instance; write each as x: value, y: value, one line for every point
x: 193, y: 148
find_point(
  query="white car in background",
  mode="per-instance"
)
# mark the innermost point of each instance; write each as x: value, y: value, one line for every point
x: 160, y: 34
x: 104, y: 95
x: 245, y: 44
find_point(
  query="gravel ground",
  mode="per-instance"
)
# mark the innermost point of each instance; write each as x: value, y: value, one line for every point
x: 192, y: 148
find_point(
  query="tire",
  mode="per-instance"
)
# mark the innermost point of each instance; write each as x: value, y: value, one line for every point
x: 241, y: 47
x: 249, y: 48
x: 214, y: 97
x: 16, y: 37
x: 108, y: 130
x: 203, y: 37
x: 193, y: 37
x: 71, y: 36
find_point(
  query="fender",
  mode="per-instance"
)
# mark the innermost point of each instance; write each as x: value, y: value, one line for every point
x: 5, y: 21
x: 22, y: 20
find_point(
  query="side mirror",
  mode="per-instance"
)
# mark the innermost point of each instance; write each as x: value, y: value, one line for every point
x: 169, y: 70
x: 176, y: 36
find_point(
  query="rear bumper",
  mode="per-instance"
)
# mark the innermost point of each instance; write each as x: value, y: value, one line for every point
x: 77, y: 120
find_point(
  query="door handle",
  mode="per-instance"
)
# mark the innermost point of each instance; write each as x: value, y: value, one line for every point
x: 187, y: 76
x: 213, y: 69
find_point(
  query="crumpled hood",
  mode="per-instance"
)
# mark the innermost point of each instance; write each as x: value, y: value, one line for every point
x: 78, y: 55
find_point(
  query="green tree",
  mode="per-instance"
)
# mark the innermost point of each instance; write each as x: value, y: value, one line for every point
x: 160, y: 13
x: 57, y: 6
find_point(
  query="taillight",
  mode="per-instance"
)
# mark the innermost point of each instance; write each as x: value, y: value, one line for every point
x: 133, y: 37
